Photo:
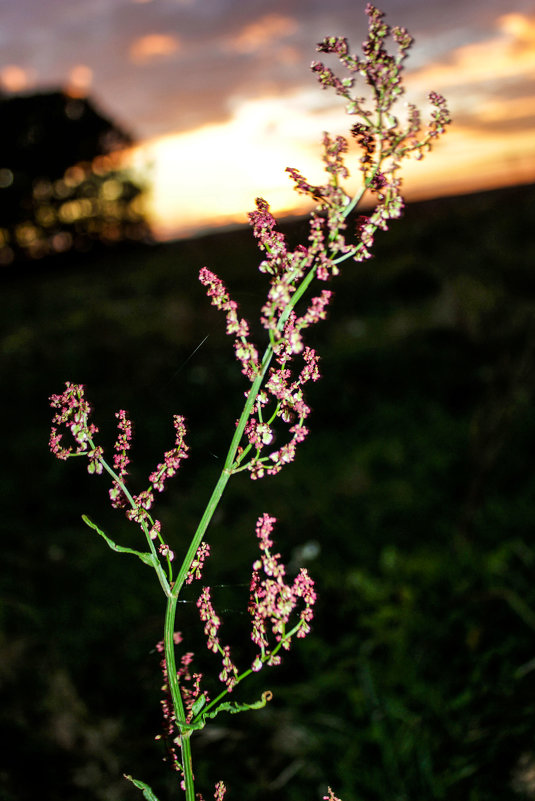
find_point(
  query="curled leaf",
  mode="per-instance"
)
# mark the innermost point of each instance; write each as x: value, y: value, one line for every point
x: 147, y: 792
x: 145, y: 557
x: 228, y: 706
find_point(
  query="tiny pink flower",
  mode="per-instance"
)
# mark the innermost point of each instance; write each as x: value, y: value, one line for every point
x: 195, y: 571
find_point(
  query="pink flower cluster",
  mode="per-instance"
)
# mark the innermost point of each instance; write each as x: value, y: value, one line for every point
x: 326, y: 230
x: 246, y: 353
x: 383, y: 140
x: 190, y: 685
x: 272, y: 601
x: 384, y: 143
x: 286, y: 396
x: 172, y: 458
x: 73, y: 413
x: 220, y: 792
x: 212, y: 622
x: 121, y: 459
x: 195, y: 569
x: 281, y: 398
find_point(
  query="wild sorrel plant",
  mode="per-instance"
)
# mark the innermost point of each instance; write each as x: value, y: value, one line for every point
x: 275, y: 405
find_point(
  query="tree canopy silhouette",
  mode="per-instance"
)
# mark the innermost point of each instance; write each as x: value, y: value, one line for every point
x: 62, y: 181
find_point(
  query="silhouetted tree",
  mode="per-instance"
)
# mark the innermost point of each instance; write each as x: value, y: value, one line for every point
x: 62, y: 183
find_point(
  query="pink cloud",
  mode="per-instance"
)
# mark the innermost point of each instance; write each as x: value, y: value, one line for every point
x: 153, y: 46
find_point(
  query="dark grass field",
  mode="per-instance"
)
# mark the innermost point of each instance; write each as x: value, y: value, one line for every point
x: 412, y: 505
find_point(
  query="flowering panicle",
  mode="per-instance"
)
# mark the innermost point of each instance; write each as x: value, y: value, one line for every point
x: 190, y: 685
x: 286, y: 396
x: 270, y: 240
x: 282, y: 395
x: 384, y: 142
x: 333, y: 156
x: 191, y: 694
x: 121, y: 459
x: 245, y: 351
x: 143, y: 502
x: 273, y: 421
x: 220, y: 791
x: 73, y: 413
x: 212, y: 622
x: 272, y: 601
x: 172, y: 458
x: 195, y: 570
x: 326, y: 232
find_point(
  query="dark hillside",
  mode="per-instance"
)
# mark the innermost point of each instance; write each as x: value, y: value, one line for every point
x: 412, y: 505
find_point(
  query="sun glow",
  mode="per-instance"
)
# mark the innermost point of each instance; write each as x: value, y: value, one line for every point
x: 213, y: 174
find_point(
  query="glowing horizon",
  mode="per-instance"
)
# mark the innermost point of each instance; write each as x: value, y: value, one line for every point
x: 210, y: 176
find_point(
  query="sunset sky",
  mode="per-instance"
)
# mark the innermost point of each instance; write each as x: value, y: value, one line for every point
x: 220, y: 97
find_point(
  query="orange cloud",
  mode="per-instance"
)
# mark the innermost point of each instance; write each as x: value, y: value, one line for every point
x: 79, y: 80
x: 522, y: 28
x: 153, y: 45
x: 14, y: 78
x: 509, y: 55
x: 516, y: 108
x: 467, y: 161
x: 262, y: 32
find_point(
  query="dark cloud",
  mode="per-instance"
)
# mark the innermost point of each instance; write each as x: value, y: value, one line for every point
x: 502, y: 126
x: 194, y: 83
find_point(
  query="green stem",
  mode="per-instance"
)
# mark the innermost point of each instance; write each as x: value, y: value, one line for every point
x: 236, y: 439
x: 162, y: 578
x: 174, y: 689
x: 170, y: 617
x: 226, y: 473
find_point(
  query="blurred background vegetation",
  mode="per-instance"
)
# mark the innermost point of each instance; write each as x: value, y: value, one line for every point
x: 411, y: 504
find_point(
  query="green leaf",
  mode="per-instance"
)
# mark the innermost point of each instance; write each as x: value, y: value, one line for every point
x: 147, y: 792
x: 198, y: 705
x: 145, y: 557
